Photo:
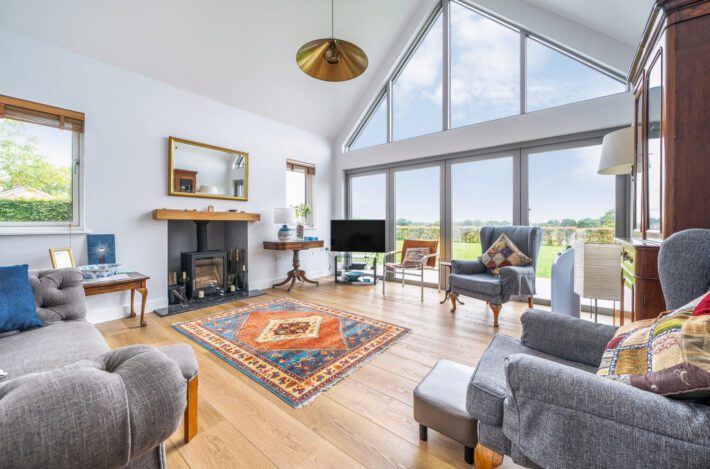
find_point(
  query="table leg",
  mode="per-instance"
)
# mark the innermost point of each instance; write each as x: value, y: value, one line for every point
x: 302, y: 276
x: 144, y: 296
x: 133, y: 299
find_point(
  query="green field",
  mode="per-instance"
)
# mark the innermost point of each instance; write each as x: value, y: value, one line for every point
x: 469, y: 251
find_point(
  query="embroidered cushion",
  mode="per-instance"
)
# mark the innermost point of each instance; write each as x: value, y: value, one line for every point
x: 413, y: 257
x: 669, y: 355
x: 503, y: 253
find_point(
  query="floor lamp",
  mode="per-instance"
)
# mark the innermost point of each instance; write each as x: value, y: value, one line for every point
x: 596, y: 272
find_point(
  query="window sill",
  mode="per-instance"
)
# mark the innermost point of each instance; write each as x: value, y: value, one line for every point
x: 41, y: 230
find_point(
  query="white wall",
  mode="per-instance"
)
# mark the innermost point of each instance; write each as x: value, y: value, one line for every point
x: 606, y: 112
x: 128, y: 120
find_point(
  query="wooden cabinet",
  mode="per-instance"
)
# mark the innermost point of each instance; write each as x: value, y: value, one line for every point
x: 184, y: 180
x: 641, y: 297
x: 670, y: 78
x: 671, y: 82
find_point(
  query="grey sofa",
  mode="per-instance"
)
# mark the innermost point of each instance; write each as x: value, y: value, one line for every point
x: 70, y: 401
x: 539, y: 400
x: 472, y: 278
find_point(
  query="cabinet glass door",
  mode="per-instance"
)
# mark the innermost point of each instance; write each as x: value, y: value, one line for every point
x: 654, y: 150
x: 638, y: 165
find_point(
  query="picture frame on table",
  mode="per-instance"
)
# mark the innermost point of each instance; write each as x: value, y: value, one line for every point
x: 62, y: 258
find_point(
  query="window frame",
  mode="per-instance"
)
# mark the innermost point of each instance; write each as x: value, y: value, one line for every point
x: 310, y: 171
x: 76, y: 225
x: 443, y: 7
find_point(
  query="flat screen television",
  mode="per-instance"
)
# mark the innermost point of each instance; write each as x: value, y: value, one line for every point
x: 357, y: 236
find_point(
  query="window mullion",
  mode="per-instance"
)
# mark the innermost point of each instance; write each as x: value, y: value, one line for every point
x: 523, y: 72
x: 446, y: 64
x: 389, y: 111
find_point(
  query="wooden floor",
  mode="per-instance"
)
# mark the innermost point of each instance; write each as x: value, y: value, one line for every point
x: 365, y: 420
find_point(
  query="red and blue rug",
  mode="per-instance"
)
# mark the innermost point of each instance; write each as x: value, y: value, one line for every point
x: 293, y: 348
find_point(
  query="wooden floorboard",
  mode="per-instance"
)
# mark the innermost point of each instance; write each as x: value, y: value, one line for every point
x: 363, y: 421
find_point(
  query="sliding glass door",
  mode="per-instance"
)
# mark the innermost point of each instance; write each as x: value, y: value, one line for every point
x: 417, y: 207
x: 482, y: 194
x: 368, y: 196
x: 568, y: 200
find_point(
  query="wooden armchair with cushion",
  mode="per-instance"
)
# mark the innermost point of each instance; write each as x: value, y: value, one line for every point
x: 416, y: 256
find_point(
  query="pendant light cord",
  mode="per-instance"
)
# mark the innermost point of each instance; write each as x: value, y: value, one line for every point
x: 332, y: 18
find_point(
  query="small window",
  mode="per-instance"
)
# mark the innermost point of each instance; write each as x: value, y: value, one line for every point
x: 39, y: 165
x: 555, y: 78
x: 299, y: 186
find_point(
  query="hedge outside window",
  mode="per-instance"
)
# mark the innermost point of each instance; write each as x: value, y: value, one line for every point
x: 39, y: 164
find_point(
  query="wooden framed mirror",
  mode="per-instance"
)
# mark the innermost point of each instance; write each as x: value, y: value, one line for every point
x: 201, y: 170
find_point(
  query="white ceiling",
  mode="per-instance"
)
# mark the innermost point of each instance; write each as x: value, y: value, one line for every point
x: 243, y: 52
x: 240, y: 52
x: 622, y: 20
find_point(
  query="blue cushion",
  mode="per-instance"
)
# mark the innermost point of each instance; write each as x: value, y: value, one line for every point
x: 17, y: 302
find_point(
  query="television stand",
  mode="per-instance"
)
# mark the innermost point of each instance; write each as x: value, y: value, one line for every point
x: 356, y: 269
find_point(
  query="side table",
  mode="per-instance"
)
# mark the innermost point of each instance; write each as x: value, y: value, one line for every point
x: 296, y: 273
x: 135, y: 282
x: 447, y: 265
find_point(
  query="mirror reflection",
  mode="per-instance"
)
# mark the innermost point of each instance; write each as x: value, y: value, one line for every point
x: 201, y: 170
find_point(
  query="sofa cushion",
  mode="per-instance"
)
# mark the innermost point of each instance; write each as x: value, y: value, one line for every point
x: 484, y: 284
x: 57, y: 344
x: 669, y: 355
x: 487, y: 389
x: 502, y: 253
x: 17, y: 303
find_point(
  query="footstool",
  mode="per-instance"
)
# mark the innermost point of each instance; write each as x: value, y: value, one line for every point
x: 440, y: 404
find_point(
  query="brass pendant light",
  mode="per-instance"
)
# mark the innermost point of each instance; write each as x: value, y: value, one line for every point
x: 331, y: 59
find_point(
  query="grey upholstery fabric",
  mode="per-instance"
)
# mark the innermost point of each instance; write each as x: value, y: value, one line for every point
x: 467, y: 267
x: 93, y: 413
x: 68, y: 401
x: 59, y: 294
x: 684, y: 266
x: 562, y: 417
x: 493, y: 437
x: 440, y: 402
x: 487, y: 390
x: 183, y: 355
x: 471, y: 278
x: 49, y: 347
x: 565, y: 337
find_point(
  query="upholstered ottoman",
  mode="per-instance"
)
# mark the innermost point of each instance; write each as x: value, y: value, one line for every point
x: 440, y: 404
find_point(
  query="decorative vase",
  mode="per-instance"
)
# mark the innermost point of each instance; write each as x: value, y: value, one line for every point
x: 284, y: 233
x: 299, y: 230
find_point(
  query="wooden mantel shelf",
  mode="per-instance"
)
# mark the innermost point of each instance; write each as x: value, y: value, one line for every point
x: 168, y: 214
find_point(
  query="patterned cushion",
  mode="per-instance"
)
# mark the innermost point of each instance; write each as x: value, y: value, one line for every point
x: 503, y: 253
x: 413, y: 257
x: 669, y: 355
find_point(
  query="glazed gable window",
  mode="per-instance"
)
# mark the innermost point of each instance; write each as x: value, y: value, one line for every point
x: 40, y: 154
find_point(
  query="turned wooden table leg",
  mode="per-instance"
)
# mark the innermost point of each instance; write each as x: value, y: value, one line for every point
x: 486, y: 458
x: 133, y: 299
x: 530, y: 302
x: 144, y: 296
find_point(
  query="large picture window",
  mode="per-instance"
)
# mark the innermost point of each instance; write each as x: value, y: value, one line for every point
x: 479, y: 68
x: 40, y: 148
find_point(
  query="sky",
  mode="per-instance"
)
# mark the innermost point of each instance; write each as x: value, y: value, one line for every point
x: 53, y: 144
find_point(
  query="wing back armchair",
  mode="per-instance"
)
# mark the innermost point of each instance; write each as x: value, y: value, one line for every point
x: 540, y: 401
x: 471, y: 278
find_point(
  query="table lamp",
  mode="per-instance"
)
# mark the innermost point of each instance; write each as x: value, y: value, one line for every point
x: 284, y: 216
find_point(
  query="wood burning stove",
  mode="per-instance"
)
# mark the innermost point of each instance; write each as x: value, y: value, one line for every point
x: 206, y: 273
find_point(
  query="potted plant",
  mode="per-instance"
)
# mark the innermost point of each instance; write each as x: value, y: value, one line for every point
x: 302, y: 212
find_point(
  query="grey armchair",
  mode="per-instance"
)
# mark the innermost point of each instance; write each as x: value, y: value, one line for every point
x: 471, y: 278
x: 539, y: 400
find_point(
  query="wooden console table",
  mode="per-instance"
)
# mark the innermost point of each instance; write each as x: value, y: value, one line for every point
x: 296, y: 273
x: 135, y: 281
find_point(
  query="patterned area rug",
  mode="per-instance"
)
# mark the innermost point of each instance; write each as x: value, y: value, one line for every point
x: 293, y: 348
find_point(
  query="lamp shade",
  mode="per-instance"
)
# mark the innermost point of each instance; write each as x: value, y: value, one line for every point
x: 597, y: 271
x: 207, y: 189
x: 617, y: 152
x: 284, y: 216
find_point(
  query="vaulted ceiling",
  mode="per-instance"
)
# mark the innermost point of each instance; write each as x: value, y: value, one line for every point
x: 242, y: 52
